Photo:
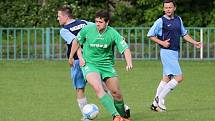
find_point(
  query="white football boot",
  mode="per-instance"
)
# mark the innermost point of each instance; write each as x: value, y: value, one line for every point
x: 161, y: 105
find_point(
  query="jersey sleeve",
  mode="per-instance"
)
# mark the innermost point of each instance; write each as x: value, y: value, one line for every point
x: 156, y: 29
x: 120, y: 42
x: 82, y: 35
x: 183, y: 30
x: 67, y: 35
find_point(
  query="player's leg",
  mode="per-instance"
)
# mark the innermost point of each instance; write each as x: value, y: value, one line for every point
x: 127, y: 108
x: 160, y: 87
x: 94, y: 80
x: 93, y: 77
x: 79, y: 84
x: 113, y: 85
x: 170, y: 86
x: 171, y: 68
x: 105, y: 88
x: 109, y: 76
x: 82, y: 101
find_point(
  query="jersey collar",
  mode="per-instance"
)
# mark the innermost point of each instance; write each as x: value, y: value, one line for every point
x: 70, y: 21
x: 103, y: 31
x: 167, y: 17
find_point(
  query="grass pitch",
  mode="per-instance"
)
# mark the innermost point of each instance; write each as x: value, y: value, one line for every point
x: 42, y: 91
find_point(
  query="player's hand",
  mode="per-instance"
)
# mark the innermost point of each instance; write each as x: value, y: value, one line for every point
x: 129, y: 67
x: 70, y: 61
x: 198, y: 44
x: 166, y: 43
x: 81, y: 62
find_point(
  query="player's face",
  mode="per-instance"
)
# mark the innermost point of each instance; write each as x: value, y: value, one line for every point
x: 100, y: 24
x: 169, y: 9
x: 62, y: 18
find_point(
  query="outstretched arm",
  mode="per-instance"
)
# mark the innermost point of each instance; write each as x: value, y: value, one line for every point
x: 128, y: 59
x: 191, y: 40
x: 75, y: 47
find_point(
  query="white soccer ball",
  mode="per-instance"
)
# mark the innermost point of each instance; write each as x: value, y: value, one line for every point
x: 90, y: 111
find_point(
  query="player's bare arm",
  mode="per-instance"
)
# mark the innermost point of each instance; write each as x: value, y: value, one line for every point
x: 75, y: 46
x: 81, y: 59
x: 164, y: 43
x: 191, y: 40
x: 128, y: 59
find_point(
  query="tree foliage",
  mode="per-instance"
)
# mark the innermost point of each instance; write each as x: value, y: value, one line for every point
x: 126, y: 13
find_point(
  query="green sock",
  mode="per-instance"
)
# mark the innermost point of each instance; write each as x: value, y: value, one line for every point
x: 108, y: 104
x: 120, y: 107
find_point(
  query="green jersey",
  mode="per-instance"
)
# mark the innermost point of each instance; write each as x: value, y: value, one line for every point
x: 98, y: 48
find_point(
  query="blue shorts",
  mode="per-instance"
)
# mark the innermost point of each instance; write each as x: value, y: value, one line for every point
x: 170, y: 61
x: 77, y: 75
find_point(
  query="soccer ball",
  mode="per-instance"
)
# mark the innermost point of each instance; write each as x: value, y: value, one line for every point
x: 90, y: 111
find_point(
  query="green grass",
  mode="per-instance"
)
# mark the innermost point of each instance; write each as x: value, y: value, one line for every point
x: 41, y: 91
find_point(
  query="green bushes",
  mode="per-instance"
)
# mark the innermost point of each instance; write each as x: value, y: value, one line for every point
x: 125, y: 13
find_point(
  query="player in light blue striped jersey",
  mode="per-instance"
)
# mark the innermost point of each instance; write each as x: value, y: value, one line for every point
x: 166, y: 31
x: 70, y: 29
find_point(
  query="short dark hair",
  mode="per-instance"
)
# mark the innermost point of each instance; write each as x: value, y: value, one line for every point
x: 66, y: 10
x: 169, y: 1
x: 103, y: 14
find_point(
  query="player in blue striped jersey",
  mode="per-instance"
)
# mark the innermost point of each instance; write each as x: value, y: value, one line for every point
x: 166, y: 31
x: 70, y: 29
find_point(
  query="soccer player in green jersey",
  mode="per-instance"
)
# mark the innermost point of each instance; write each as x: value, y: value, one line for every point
x: 98, y: 42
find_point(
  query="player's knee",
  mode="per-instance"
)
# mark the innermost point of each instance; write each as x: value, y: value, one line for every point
x: 80, y: 93
x: 179, y: 81
x: 179, y: 78
x: 80, y: 90
x: 116, y: 95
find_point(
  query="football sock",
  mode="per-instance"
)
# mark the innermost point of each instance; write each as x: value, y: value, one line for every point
x: 81, y: 103
x: 159, y: 89
x: 169, y: 86
x: 120, y: 107
x: 108, y: 104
